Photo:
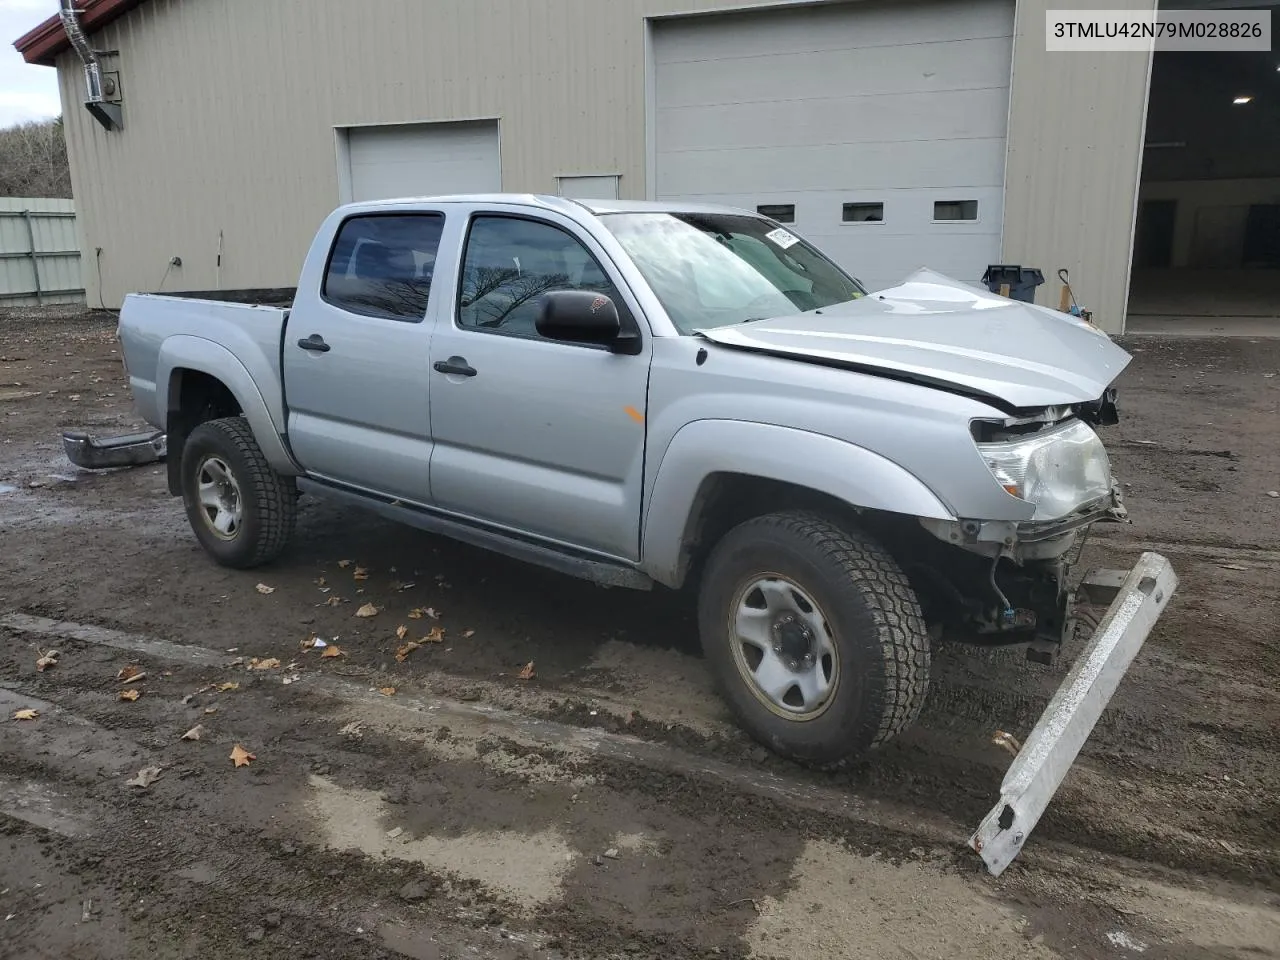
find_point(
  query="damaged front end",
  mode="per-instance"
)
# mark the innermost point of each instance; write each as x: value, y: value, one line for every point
x: 1003, y: 582
x: 1014, y: 582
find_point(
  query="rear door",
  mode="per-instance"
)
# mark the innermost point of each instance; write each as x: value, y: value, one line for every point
x: 356, y: 358
x: 533, y: 435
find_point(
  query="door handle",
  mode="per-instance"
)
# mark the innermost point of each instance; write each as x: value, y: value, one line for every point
x: 314, y: 342
x: 457, y: 366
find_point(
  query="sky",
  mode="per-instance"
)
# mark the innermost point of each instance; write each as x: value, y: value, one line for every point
x: 26, y: 92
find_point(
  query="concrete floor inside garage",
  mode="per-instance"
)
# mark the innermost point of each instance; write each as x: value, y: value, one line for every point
x: 1206, y: 258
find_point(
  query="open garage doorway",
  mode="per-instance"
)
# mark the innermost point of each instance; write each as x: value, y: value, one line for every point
x: 1207, y: 242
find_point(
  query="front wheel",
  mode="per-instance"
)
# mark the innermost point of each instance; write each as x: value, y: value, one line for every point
x: 815, y: 637
x: 240, y: 509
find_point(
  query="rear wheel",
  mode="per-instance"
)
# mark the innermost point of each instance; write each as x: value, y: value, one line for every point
x: 815, y: 636
x: 240, y: 509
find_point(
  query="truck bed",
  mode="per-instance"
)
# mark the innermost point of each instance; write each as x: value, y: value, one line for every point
x: 240, y: 330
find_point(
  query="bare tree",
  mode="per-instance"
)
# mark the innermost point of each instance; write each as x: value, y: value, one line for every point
x: 33, y: 160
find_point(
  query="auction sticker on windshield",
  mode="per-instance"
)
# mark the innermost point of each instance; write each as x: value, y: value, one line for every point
x: 782, y: 238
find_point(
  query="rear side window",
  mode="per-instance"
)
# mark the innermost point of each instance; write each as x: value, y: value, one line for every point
x: 381, y: 265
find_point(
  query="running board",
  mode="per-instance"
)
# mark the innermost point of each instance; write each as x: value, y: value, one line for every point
x: 599, y: 570
x: 1048, y: 753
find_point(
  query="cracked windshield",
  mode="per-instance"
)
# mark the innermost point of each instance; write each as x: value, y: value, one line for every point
x: 712, y: 270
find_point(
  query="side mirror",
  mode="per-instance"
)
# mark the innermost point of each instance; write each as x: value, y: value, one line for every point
x: 578, y: 316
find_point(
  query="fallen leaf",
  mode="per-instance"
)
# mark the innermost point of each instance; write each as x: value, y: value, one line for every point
x: 334, y: 601
x: 435, y: 636
x: 48, y: 658
x: 430, y: 612
x: 145, y: 778
x: 133, y: 693
x: 131, y: 672
x: 240, y: 756
x: 368, y: 610
x: 210, y: 709
x: 387, y: 691
x: 416, y: 613
x: 403, y: 653
x: 224, y: 687
x: 264, y: 589
x: 401, y: 632
x: 26, y: 714
x: 268, y: 664
x: 345, y: 563
x: 194, y: 733
x: 320, y: 582
x: 1007, y: 741
x: 332, y: 651
x: 527, y: 672
x: 468, y: 633
x: 360, y: 574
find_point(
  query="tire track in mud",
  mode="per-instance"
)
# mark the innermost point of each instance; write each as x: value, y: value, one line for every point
x: 922, y: 771
x: 691, y: 847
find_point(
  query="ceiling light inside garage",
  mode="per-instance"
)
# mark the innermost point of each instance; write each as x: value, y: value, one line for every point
x: 1242, y: 99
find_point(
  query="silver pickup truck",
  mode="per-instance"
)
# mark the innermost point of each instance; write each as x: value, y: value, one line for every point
x: 647, y: 394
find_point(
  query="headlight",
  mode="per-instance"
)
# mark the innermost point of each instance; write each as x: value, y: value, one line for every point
x: 1059, y: 470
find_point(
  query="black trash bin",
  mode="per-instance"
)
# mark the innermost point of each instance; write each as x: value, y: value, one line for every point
x: 1022, y: 281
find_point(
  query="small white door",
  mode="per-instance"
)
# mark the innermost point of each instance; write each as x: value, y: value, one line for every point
x: 593, y: 187
x: 422, y: 159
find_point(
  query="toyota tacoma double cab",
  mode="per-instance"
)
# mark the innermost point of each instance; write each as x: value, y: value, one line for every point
x: 681, y: 396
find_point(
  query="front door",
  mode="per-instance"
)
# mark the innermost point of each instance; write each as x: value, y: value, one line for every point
x: 356, y: 358
x: 533, y: 435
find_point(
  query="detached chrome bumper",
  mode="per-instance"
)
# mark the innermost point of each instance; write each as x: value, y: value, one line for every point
x: 128, y: 451
x: 1041, y: 765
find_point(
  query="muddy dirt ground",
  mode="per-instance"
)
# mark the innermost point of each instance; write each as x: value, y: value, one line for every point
x: 606, y: 807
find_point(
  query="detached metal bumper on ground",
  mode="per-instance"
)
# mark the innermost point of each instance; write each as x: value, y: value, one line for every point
x: 1043, y: 762
x: 132, y: 450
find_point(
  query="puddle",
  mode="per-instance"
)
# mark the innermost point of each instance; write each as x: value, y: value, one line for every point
x: 842, y: 905
x: 527, y: 867
x: 7, y: 488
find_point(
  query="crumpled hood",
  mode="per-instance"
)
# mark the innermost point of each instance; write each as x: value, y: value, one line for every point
x: 934, y: 330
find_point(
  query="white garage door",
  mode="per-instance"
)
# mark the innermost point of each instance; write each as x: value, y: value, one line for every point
x: 423, y: 159
x: 880, y: 129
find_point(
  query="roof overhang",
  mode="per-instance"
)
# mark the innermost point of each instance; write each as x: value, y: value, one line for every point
x: 43, y: 44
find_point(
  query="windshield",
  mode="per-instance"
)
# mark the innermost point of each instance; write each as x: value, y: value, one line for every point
x: 713, y: 269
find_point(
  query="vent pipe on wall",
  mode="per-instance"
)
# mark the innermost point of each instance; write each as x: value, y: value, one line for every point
x: 104, y: 110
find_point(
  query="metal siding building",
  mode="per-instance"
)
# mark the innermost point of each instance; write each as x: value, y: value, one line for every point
x: 246, y: 121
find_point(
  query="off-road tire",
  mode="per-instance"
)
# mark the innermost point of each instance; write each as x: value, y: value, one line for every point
x: 876, y: 625
x: 269, y: 501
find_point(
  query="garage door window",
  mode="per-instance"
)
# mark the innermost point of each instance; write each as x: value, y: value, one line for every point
x: 510, y: 262
x: 381, y: 266
x: 862, y: 213
x: 781, y: 212
x: 955, y: 210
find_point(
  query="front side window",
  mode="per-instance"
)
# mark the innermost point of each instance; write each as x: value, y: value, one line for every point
x: 712, y: 270
x: 381, y: 265
x: 509, y: 263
